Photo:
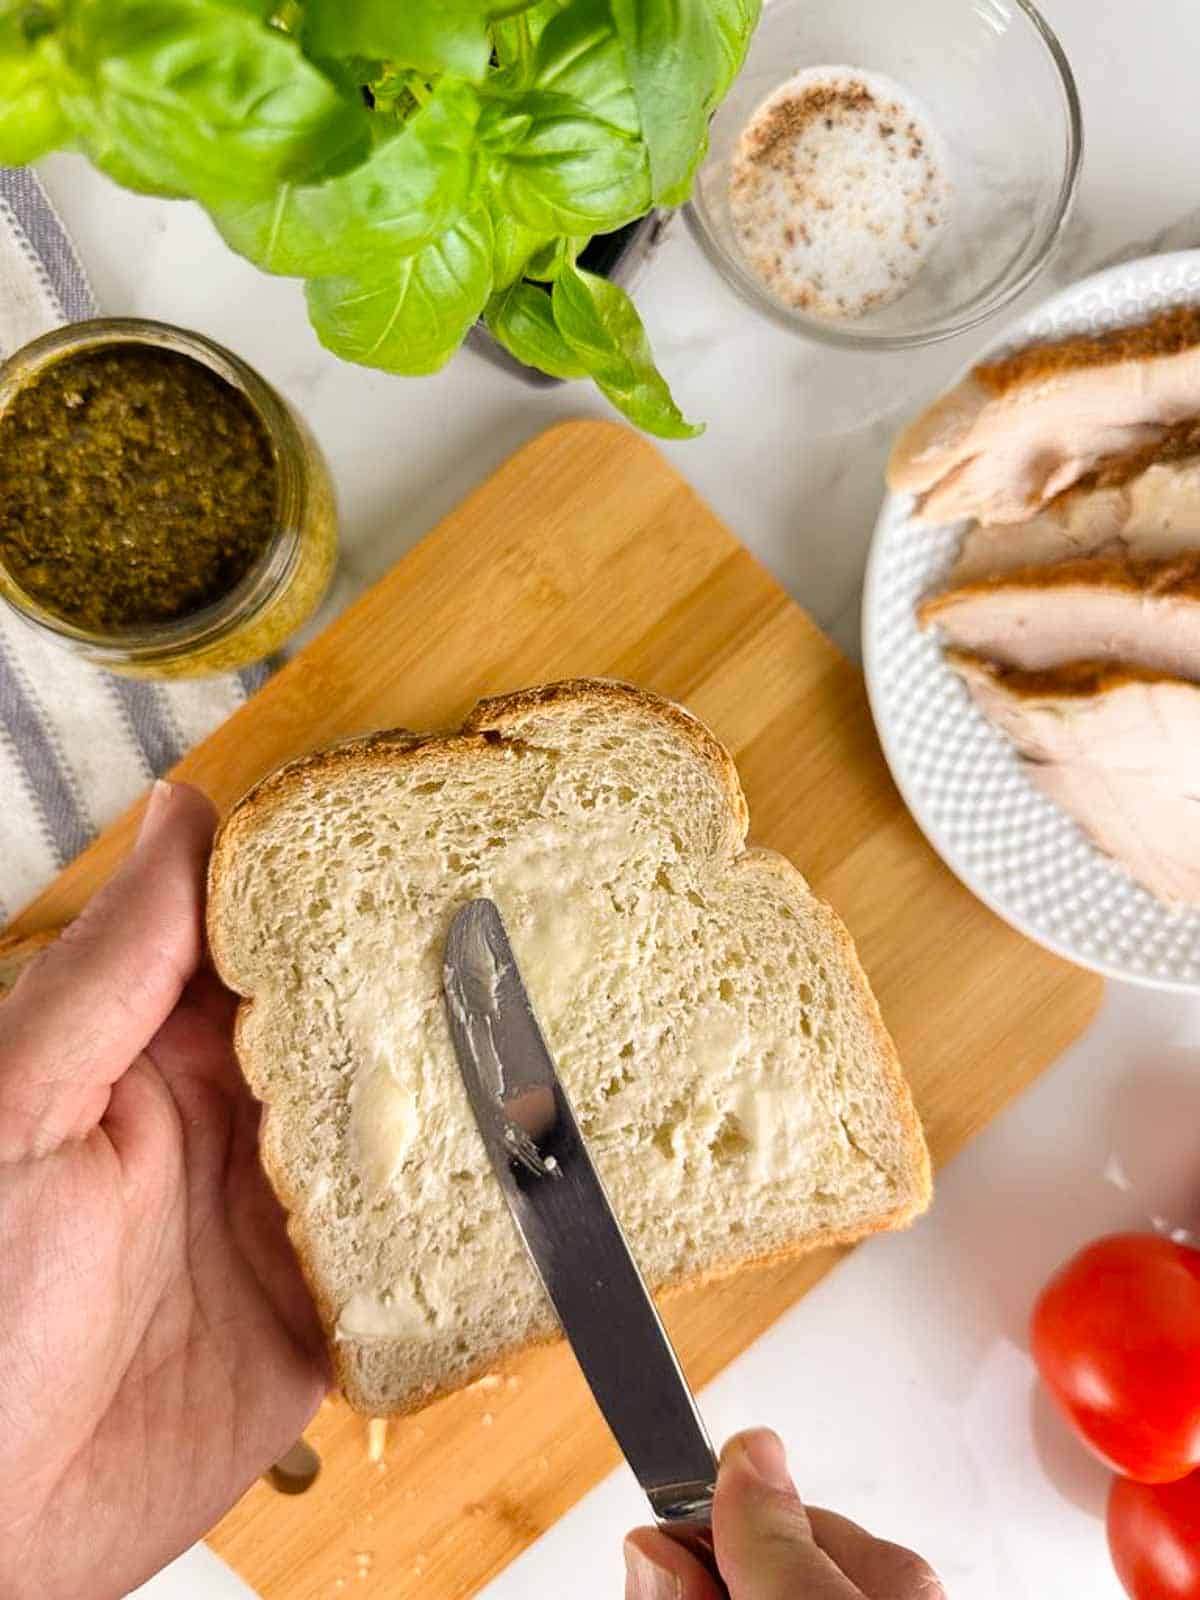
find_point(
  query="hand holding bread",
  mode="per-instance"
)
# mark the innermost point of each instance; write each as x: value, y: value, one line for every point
x: 708, y: 1012
x: 158, y: 1348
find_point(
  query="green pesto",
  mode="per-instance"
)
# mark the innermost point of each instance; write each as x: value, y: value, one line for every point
x: 137, y: 487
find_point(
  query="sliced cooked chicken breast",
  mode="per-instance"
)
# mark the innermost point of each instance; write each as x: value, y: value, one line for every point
x: 1145, y: 506
x: 1118, y: 748
x: 1017, y: 432
x: 1099, y: 609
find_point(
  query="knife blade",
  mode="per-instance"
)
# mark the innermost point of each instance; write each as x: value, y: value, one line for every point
x: 569, y: 1229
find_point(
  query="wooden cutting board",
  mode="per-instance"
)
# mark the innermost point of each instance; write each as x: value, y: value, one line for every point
x: 586, y: 553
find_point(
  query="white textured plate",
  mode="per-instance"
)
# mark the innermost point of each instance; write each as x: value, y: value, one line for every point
x: 960, y: 778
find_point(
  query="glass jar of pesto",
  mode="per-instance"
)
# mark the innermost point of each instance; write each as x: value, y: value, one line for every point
x: 162, y: 510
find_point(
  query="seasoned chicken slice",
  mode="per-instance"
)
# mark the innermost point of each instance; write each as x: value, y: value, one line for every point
x: 1017, y: 432
x: 1118, y: 748
x: 1100, y: 609
x: 1145, y: 506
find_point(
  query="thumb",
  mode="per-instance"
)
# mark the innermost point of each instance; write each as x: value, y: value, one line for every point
x: 764, y: 1541
x: 93, y: 1001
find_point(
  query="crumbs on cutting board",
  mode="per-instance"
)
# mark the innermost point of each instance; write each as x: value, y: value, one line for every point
x: 377, y: 1434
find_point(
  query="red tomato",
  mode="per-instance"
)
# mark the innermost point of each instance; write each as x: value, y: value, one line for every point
x: 1116, y: 1335
x: 1154, y: 1536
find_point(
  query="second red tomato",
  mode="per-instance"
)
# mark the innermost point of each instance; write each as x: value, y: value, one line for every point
x: 1154, y: 1536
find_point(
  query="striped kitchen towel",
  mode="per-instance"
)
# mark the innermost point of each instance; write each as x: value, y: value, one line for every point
x: 77, y: 745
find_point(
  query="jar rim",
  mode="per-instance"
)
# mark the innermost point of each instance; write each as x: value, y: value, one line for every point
x: 269, y: 572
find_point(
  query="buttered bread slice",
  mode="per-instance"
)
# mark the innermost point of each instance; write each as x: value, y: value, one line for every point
x: 709, y: 1016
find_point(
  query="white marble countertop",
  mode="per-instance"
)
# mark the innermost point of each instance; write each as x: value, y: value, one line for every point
x: 902, y: 1385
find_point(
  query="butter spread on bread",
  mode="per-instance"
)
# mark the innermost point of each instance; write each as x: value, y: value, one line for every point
x: 709, y: 1016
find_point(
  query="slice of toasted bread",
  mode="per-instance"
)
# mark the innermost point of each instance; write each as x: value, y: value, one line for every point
x: 709, y: 1016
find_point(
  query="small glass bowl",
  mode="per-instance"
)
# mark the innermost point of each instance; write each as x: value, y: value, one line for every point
x: 283, y: 587
x: 996, y: 84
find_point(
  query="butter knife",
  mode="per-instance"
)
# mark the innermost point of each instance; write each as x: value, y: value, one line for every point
x: 567, y: 1225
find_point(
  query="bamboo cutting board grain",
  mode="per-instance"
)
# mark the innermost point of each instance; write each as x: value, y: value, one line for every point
x: 586, y: 553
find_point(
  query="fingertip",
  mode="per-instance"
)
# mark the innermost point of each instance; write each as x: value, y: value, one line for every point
x: 110, y: 981
x: 760, y: 1452
x: 645, y: 1576
x: 658, y: 1567
x: 649, y: 1542
x: 760, y: 1526
x: 737, y: 1443
x: 158, y: 891
x: 187, y: 794
x: 175, y: 809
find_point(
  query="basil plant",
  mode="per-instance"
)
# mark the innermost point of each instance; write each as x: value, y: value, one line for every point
x: 420, y: 163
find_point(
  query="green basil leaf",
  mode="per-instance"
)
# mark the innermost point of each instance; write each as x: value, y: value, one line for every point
x: 504, y: 10
x: 31, y: 71
x: 509, y: 46
x: 522, y: 252
x: 522, y: 320
x: 580, y: 55
x: 411, y: 314
x: 522, y: 27
x: 673, y: 57
x: 402, y: 197
x: 736, y: 21
x: 515, y: 246
x: 545, y: 264
x: 559, y: 169
x: 599, y: 323
x: 431, y: 35
x: 193, y: 97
